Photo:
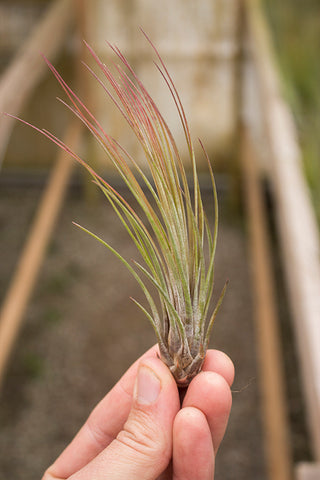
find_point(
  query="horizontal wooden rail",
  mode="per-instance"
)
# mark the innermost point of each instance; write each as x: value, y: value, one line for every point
x: 20, y: 290
x: 299, y: 235
x: 26, y: 70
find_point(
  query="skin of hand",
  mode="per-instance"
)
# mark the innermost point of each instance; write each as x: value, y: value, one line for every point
x: 140, y: 431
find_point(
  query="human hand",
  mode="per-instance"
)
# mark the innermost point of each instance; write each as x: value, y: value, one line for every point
x: 140, y: 432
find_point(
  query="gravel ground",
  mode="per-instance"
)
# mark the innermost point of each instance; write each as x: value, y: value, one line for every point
x: 81, y: 332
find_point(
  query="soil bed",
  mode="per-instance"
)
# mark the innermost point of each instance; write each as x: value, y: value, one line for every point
x: 81, y: 332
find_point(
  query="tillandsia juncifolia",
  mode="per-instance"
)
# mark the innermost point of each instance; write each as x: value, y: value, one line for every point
x: 174, y: 237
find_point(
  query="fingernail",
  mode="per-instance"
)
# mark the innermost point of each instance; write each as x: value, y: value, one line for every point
x: 148, y: 386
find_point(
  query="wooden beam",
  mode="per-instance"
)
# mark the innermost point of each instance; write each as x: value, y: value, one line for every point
x: 299, y: 233
x: 20, y: 290
x: 27, y: 69
x: 270, y: 362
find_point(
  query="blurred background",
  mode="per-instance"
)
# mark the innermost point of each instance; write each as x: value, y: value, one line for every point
x: 295, y: 28
x: 246, y: 72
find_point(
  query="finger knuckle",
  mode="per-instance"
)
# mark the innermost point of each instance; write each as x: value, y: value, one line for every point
x: 143, y: 436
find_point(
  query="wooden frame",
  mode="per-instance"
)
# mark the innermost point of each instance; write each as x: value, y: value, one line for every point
x: 29, y: 65
x: 298, y: 230
x: 270, y: 361
x: 296, y: 221
x: 21, y: 288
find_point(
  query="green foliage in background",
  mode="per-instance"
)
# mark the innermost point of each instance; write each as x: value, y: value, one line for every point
x: 296, y: 33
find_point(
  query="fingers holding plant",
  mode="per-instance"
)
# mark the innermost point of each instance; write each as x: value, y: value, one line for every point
x: 139, y: 427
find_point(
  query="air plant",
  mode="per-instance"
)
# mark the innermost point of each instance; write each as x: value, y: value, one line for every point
x: 172, y: 234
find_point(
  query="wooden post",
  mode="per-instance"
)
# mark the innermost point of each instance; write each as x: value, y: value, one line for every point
x: 26, y: 70
x: 270, y: 363
x: 299, y: 234
x: 20, y: 290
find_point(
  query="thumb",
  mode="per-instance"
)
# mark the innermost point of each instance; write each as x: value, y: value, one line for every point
x: 143, y: 448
